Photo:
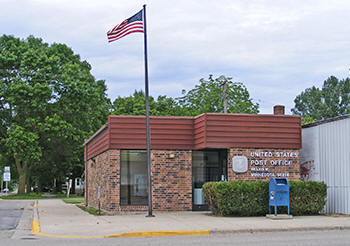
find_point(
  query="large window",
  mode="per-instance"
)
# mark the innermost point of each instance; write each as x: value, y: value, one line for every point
x: 133, y: 177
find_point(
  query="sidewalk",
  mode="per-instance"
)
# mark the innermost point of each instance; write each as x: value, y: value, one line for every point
x: 60, y: 219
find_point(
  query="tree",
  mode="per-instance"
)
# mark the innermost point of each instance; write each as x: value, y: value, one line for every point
x: 307, y: 120
x: 25, y: 148
x: 135, y: 105
x: 208, y: 97
x: 204, y: 98
x: 330, y: 101
x: 49, y: 102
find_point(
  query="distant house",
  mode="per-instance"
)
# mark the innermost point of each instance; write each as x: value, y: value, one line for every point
x: 325, y: 156
x: 79, y: 186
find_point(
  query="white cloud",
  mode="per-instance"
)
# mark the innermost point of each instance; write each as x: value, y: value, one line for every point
x: 277, y: 48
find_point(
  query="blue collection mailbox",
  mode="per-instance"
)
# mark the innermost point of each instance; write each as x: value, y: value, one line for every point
x: 278, y: 193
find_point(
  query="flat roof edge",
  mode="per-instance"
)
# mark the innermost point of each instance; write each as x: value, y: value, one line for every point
x: 320, y: 122
x: 201, y: 115
x: 263, y: 115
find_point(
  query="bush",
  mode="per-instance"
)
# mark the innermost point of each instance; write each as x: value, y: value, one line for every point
x: 307, y: 197
x: 250, y: 198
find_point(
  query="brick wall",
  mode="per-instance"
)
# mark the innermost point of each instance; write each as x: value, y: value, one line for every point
x: 172, y: 180
x: 264, y: 164
x: 104, y: 171
x: 172, y: 176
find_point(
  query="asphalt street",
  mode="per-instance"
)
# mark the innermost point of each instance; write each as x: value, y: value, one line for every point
x: 310, y: 238
x: 16, y: 218
x: 10, y: 213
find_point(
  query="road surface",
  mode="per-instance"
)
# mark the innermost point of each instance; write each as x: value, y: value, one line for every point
x: 10, y: 213
x: 316, y: 238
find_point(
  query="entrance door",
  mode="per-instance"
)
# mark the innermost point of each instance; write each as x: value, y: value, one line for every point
x: 207, y: 165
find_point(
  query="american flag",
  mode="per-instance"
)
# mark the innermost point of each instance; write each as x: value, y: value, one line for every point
x: 130, y: 25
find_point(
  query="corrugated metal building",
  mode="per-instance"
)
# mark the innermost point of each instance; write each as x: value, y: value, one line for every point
x: 325, y: 156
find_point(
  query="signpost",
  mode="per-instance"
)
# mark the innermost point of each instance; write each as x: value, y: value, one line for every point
x: 99, y: 200
x: 6, y: 177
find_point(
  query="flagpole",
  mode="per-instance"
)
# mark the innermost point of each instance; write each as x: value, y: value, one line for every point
x: 148, y: 138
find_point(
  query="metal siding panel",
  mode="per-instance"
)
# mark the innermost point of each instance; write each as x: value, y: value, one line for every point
x: 347, y: 164
x: 224, y: 145
x: 329, y: 145
x: 232, y: 131
x: 243, y: 128
x: 252, y: 134
x: 253, y: 117
x: 309, y: 155
x: 261, y: 123
x: 224, y: 130
x: 166, y: 132
x: 199, y: 132
x: 98, y: 144
x: 335, y: 162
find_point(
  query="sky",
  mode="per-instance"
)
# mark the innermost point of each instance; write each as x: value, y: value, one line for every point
x: 277, y: 49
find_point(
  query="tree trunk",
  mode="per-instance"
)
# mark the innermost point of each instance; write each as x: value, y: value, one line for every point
x: 58, y: 187
x: 29, y: 186
x: 40, y: 186
x: 73, y: 187
x: 21, y: 182
x: 68, y: 188
x: 22, y: 170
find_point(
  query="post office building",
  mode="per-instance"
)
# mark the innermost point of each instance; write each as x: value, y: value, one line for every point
x: 186, y: 152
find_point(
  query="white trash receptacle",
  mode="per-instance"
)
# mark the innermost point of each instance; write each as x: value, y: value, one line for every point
x: 198, y: 196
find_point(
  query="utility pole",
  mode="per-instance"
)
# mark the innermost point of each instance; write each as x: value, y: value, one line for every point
x: 224, y: 96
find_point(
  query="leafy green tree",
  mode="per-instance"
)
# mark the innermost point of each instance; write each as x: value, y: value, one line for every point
x: 208, y: 97
x: 330, y: 101
x: 169, y: 106
x: 205, y: 97
x: 307, y: 120
x: 24, y: 146
x: 135, y: 105
x: 49, y: 103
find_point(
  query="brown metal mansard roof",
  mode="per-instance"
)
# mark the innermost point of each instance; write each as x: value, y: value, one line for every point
x: 209, y: 130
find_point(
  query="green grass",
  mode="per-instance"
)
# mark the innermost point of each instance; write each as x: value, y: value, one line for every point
x: 63, y: 196
x: 74, y: 200
x: 24, y: 196
x: 90, y: 210
x: 33, y: 196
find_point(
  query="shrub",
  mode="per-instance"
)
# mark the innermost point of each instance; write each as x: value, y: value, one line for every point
x: 307, y: 197
x: 250, y: 198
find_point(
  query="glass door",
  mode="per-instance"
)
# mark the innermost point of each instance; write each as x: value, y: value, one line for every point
x: 207, y: 165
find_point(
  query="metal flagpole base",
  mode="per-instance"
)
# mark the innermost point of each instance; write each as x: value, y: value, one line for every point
x: 150, y: 216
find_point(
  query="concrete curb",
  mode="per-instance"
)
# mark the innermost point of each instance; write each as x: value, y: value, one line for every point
x: 323, y: 228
